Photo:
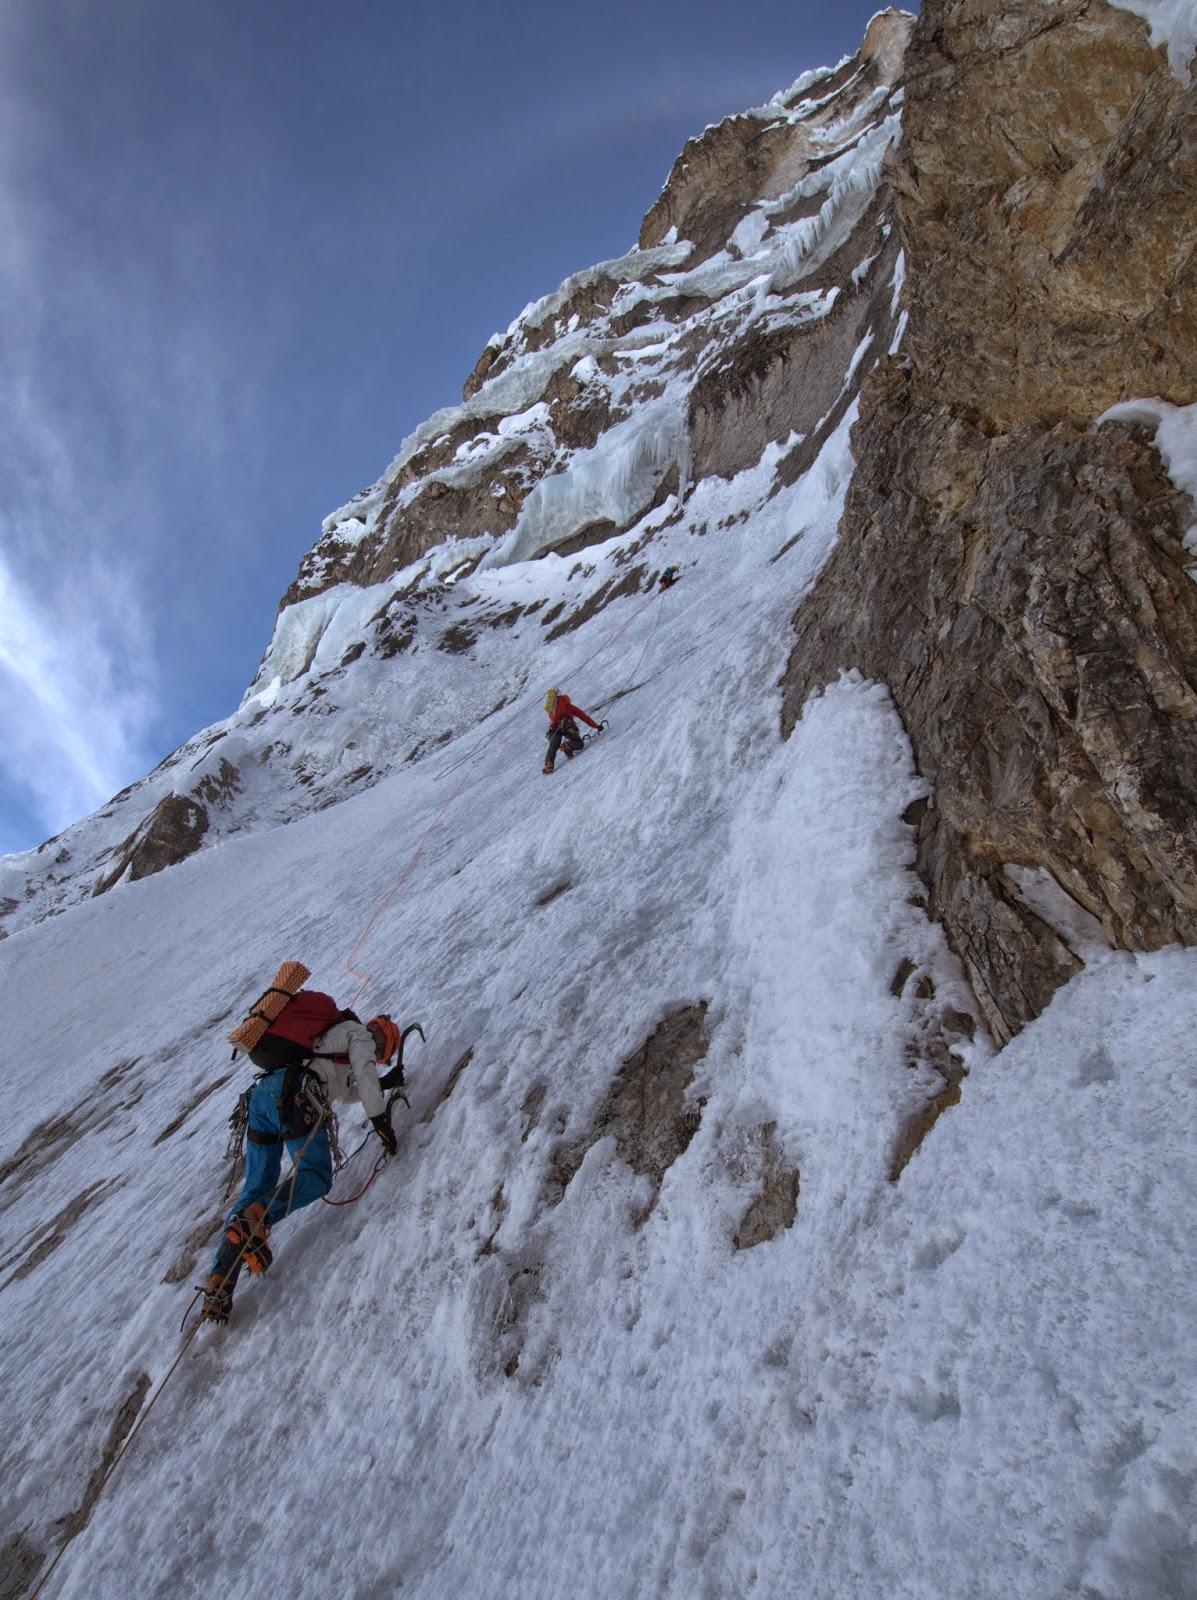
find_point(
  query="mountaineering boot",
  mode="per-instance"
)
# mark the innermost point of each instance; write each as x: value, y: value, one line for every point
x: 548, y: 767
x: 218, y: 1291
x: 248, y: 1231
x: 218, y: 1299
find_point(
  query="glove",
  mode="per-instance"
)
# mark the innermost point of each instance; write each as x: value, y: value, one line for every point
x: 386, y: 1133
x: 392, y: 1080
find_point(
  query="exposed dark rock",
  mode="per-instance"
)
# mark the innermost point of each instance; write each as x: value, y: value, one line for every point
x: 193, y: 1104
x: 201, y: 1236
x: 395, y: 629
x: 898, y: 983
x: 919, y: 1124
x: 719, y: 176
x: 122, y: 1423
x: 531, y: 1109
x: 482, y: 371
x: 43, y: 1240
x: 450, y: 1084
x: 745, y: 159
x: 174, y: 830
x: 776, y: 1204
x: 217, y: 788
x: 442, y: 510
x: 20, y: 1563
x: 791, y: 379
x: 631, y: 583
x: 456, y: 639
x: 646, y: 1108
x: 1048, y: 183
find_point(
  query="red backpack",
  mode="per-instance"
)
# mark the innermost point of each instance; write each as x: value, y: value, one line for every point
x: 292, y: 1035
x: 304, y: 1018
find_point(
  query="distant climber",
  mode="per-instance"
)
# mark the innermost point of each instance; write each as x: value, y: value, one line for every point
x: 667, y: 579
x: 313, y: 1052
x: 563, y: 727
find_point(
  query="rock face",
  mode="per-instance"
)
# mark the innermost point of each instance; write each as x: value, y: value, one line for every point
x: 777, y: 198
x: 174, y: 830
x: 1014, y: 572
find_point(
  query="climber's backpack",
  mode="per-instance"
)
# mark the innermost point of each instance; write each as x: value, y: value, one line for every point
x: 291, y: 1037
x: 289, y: 1043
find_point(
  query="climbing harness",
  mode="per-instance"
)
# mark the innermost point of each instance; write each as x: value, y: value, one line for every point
x: 284, y: 1180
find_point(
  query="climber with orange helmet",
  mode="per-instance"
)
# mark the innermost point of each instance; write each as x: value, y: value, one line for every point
x: 311, y: 1054
x: 563, y: 728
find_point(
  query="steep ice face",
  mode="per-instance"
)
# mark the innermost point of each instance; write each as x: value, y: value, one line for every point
x: 582, y: 429
x: 619, y: 1331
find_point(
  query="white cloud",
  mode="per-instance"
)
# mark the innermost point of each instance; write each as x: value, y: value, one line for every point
x: 77, y: 695
x: 117, y: 396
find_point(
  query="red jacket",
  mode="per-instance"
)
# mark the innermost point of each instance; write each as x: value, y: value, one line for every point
x: 566, y: 708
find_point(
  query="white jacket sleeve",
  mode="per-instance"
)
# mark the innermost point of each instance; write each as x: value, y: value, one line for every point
x: 363, y: 1072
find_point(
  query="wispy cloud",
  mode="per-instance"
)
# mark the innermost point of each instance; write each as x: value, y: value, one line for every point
x: 75, y: 693
x: 76, y: 696
x: 115, y: 396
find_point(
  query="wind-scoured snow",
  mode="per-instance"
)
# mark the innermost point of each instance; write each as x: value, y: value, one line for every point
x: 976, y: 1381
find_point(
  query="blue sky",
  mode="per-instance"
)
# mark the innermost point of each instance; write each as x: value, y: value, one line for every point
x: 246, y: 246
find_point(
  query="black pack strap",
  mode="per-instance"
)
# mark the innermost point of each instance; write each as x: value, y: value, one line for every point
x: 271, y: 1053
x: 255, y: 1137
x: 261, y: 1015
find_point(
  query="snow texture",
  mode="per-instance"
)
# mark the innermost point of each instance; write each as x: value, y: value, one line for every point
x: 978, y: 1381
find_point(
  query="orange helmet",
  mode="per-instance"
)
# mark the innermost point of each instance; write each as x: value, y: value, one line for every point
x: 386, y: 1036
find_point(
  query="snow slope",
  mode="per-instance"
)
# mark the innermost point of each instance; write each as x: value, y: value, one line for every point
x: 760, y: 1353
x: 975, y: 1381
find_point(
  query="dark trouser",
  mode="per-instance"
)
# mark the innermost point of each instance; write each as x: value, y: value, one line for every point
x: 565, y: 732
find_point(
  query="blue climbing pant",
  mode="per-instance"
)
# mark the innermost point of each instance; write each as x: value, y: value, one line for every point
x: 310, y: 1180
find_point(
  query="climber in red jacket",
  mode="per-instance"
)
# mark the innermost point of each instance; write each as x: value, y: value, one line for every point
x: 563, y: 729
